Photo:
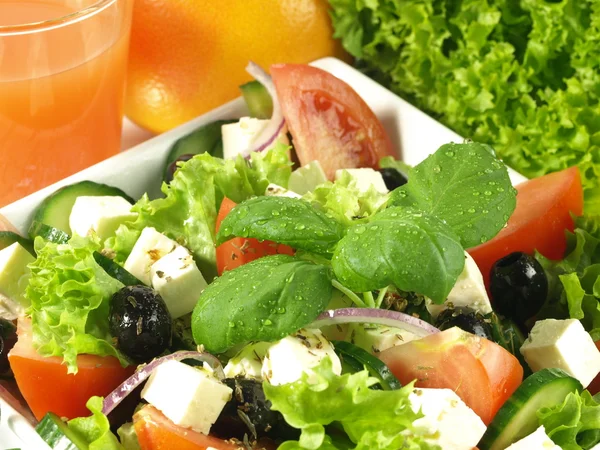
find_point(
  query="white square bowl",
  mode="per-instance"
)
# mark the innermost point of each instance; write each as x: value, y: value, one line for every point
x: 139, y: 170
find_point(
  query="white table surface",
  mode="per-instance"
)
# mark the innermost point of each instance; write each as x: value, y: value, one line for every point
x: 133, y: 135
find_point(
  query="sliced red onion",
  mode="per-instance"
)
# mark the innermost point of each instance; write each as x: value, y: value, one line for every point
x: 268, y: 135
x: 127, y: 386
x: 376, y: 316
x: 14, y: 400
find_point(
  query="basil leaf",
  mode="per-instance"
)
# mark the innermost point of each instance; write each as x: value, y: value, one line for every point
x: 465, y: 186
x: 264, y: 300
x: 404, y: 247
x: 284, y: 220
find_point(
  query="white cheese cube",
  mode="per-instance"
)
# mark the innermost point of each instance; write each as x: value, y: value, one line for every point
x: 307, y: 178
x: 447, y: 421
x: 178, y: 280
x: 189, y: 397
x: 377, y: 338
x: 468, y: 292
x: 365, y: 178
x: 289, y: 358
x: 562, y: 344
x: 240, y: 136
x: 99, y: 215
x: 248, y: 362
x: 149, y: 248
x: 13, y: 267
x: 537, y: 440
x: 274, y: 190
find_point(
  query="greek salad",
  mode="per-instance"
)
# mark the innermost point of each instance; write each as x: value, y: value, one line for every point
x: 297, y: 286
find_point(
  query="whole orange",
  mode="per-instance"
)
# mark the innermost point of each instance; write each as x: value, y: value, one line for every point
x: 188, y: 56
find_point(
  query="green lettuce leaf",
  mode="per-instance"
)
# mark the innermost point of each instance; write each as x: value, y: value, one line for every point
x: 574, y: 424
x: 127, y: 436
x: 70, y: 295
x: 188, y: 211
x: 95, y: 430
x: 340, y: 411
x: 344, y: 201
x: 521, y: 76
x: 574, y: 282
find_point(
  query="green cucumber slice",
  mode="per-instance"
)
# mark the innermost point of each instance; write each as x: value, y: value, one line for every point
x: 48, y: 233
x: 56, y: 209
x: 116, y: 271
x: 8, y: 238
x: 517, y: 418
x: 57, y: 434
x: 205, y: 139
x: 258, y: 100
x: 358, y: 358
x: 60, y: 237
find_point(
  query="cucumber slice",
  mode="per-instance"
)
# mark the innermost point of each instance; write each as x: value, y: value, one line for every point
x: 517, y: 418
x: 116, y: 271
x: 47, y: 232
x: 206, y: 139
x: 56, y: 209
x: 8, y: 238
x: 57, y: 434
x: 258, y: 100
x: 358, y: 358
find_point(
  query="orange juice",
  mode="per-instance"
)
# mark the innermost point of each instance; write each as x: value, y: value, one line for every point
x: 61, y: 88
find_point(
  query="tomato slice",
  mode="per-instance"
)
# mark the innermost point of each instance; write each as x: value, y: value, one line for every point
x: 482, y: 373
x: 328, y: 120
x: 543, y: 212
x: 46, y: 385
x: 239, y: 251
x: 155, y: 432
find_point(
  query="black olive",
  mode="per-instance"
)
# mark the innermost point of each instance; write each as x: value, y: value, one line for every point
x: 8, y: 338
x: 140, y: 322
x: 249, y: 413
x: 393, y: 178
x: 519, y: 286
x: 464, y: 319
x: 173, y: 166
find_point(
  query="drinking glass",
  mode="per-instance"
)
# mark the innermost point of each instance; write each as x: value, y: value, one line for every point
x: 62, y: 81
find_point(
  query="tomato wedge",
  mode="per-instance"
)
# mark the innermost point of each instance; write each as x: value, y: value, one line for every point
x: 46, y: 385
x: 239, y: 251
x: 328, y: 120
x: 155, y: 432
x: 543, y: 212
x: 481, y: 372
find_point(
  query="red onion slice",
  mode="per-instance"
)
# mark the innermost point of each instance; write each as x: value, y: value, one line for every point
x: 10, y: 395
x: 268, y: 135
x: 376, y: 316
x: 125, y: 388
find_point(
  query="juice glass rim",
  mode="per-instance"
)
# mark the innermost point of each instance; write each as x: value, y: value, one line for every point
x: 58, y: 22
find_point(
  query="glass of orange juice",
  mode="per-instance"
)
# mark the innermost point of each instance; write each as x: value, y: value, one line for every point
x: 62, y: 81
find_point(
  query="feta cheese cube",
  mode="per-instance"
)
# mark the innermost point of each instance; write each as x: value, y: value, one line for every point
x: 377, y: 338
x: 248, y: 362
x: 447, y: 421
x: 238, y: 137
x: 149, y: 248
x: 364, y: 179
x: 468, y: 291
x: 274, y: 190
x: 289, y: 358
x: 537, y: 440
x: 178, y: 280
x: 307, y: 178
x: 189, y: 397
x: 99, y: 215
x: 562, y: 344
x: 13, y: 267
